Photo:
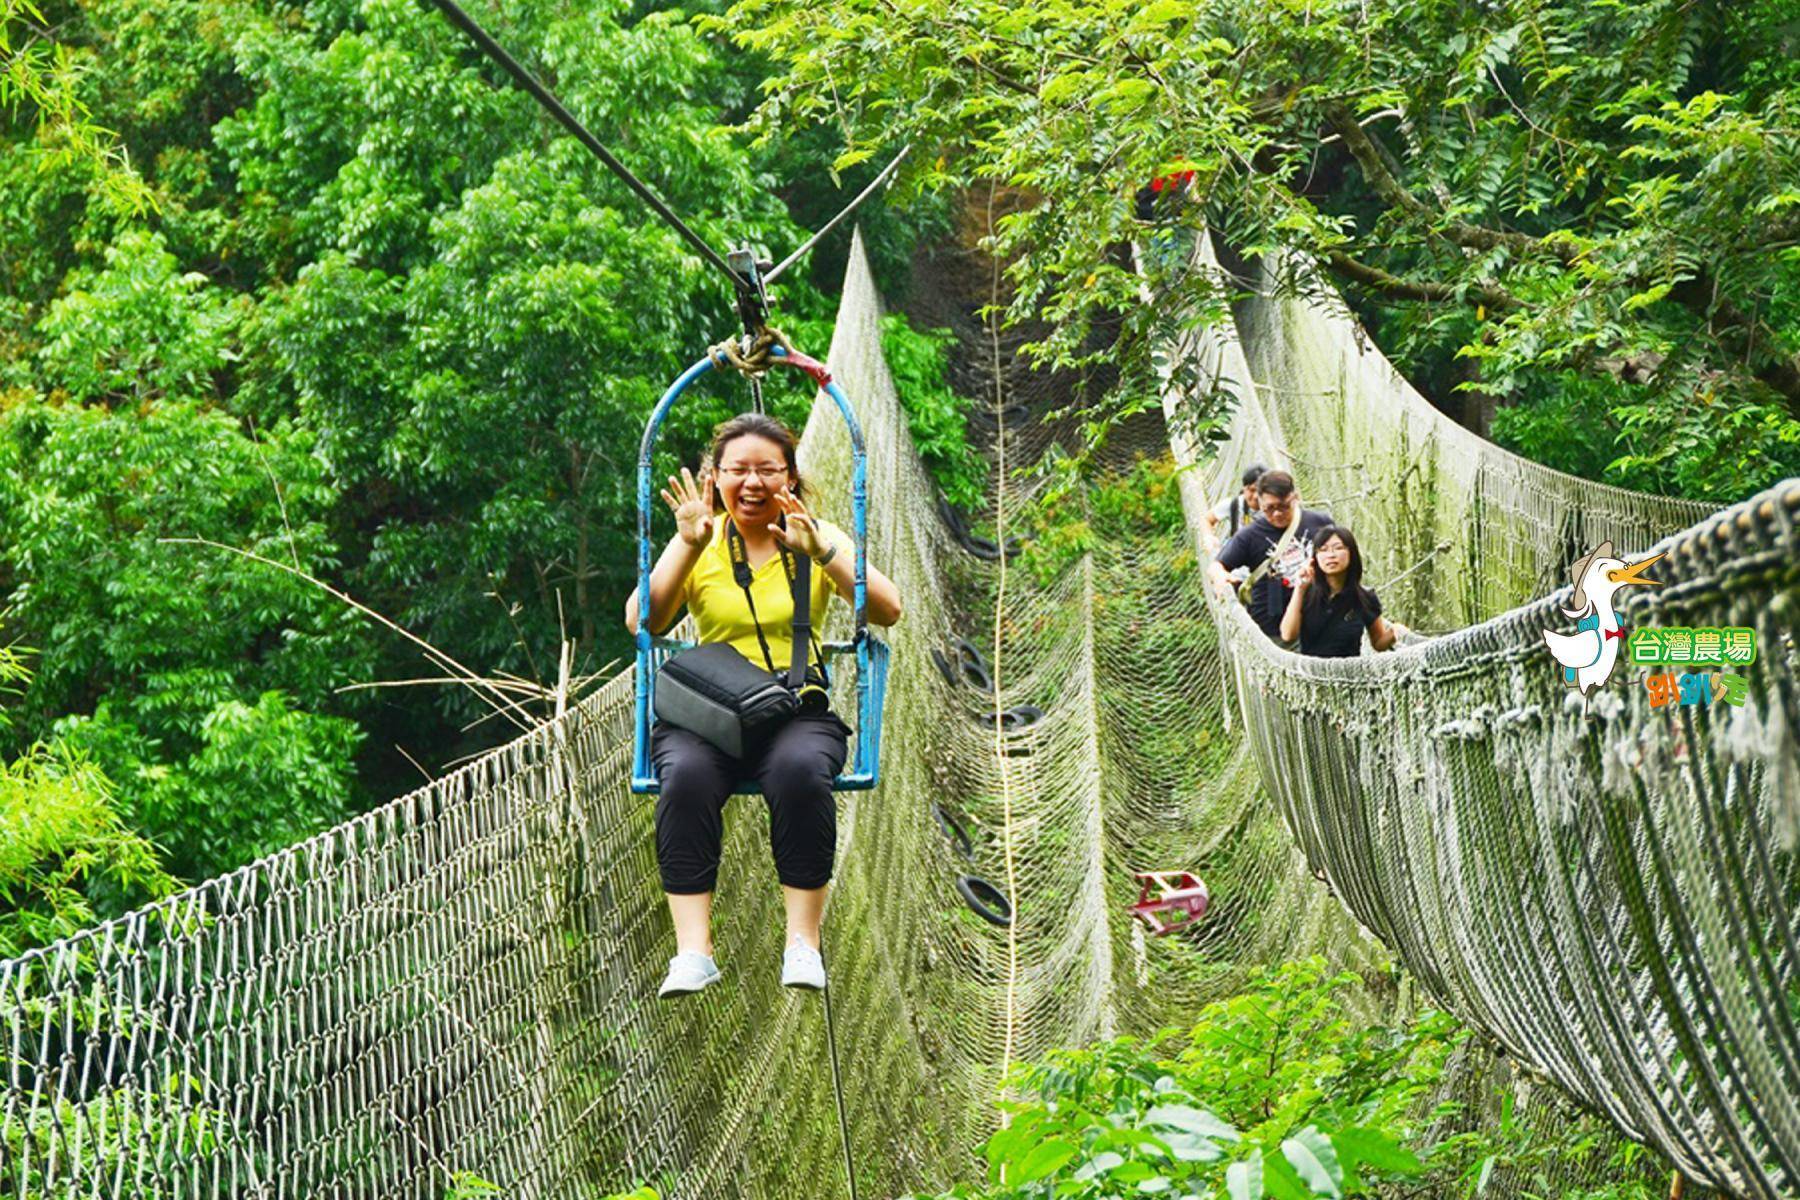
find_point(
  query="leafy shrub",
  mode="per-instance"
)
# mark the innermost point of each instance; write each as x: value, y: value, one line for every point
x: 1278, y: 1091
x: 918, y: 361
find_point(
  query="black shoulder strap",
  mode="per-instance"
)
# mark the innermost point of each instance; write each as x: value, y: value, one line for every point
x: 801, y: 578
x: 800, y: 581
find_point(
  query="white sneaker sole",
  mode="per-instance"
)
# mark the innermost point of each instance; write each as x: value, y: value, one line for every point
x: 668, y: 992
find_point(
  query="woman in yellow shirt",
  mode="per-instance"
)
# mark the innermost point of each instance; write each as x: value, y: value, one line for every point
x: 759, y: 496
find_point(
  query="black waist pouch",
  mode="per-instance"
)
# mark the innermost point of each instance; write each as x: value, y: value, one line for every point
x: 714, y: 691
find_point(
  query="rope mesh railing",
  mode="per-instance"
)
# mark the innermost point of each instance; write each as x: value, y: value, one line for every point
x: 463, y: 980
x: 1610, y: 897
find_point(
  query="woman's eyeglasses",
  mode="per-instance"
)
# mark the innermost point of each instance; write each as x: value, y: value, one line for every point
x: 744, y: 471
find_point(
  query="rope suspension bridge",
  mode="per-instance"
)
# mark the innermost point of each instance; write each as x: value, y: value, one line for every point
x: 462, y: 981
x: 460, y: 985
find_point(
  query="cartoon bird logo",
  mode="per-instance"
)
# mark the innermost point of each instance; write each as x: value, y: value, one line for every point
x: 1588, y: 655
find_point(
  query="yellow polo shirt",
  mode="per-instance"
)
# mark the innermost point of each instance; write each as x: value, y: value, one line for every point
x: 712, y: 594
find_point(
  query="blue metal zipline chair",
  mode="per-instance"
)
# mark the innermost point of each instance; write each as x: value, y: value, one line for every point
x: 871, y: 653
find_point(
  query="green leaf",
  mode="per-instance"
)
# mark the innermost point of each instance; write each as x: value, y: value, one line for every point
x: 1281, y: 1181
x: 1045, y: 1158
x: 1061, y: 87
x: 1191, y: 1147
x: 1315, y: 1161
x: 1645, y: 299
x: 1373, y: 1148
x: 1106, y: 1160
x: 1161, y: 12
x: 1244, y: 1180
x: 1191, y: 1120
x: 850, y: 158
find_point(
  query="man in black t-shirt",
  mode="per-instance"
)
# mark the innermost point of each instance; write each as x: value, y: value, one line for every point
x: 1252, y: 546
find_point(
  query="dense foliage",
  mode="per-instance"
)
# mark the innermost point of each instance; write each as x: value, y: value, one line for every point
x: 63, y: 841
x: 1277, y: 1091
x: 302, y: 295
x: 936, y: 417
x: 1549, y: 204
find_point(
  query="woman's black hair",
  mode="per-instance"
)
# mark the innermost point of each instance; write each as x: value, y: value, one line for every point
x: 1319, y: 594
x: 764, y: 426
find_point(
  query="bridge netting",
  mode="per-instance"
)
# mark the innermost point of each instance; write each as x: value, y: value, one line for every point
x: 461, y: 983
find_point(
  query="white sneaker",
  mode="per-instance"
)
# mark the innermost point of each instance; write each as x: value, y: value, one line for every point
x: 801, y: 967
x: 689, y: 972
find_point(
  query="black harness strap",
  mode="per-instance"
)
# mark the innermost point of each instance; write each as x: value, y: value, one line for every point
x: 800, y: 582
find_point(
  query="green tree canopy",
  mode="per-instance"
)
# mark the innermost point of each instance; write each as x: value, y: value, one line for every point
x: 1521, y: 197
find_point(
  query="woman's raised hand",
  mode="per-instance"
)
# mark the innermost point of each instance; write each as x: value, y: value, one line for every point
x: 692, y: 506
x: 802, y: 533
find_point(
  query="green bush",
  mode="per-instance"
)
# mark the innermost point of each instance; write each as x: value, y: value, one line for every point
x: 935, y: 415
x: 1278, y: 1091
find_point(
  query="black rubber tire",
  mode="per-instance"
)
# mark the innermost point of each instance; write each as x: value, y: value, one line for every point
x: 1012, y: 720
x: 968, y: 652
x: 1024, y: 716
x: 952, y: 518
x: 987, y: 550
x: 982, y: 898
x: 980, y: 547
x: 953, y: 829
x: 950, y: 673
x: 975, y: 675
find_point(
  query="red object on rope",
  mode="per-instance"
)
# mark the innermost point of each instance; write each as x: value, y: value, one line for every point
x: 1171, y: 183
x: 1178, y: 893
x: 821, y: 375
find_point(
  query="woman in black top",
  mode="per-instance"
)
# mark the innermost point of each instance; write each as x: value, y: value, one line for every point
x: 1330, y: 607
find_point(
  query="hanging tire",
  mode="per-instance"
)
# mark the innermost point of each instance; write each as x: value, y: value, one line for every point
x: 985, y: 900
x: 953, y: 830
x: 968, y: 652
x: 975, y: 675
x: 949, y: 672
x: 1022, y: 716
x: 952, y: 518
x: 974, y: 666
x: 987, y: 549
x: 980, y: 547
x: 1013, y: 720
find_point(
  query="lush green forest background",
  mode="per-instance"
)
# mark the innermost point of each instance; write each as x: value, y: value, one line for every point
x: 309, y: 281
x: 299, y: 299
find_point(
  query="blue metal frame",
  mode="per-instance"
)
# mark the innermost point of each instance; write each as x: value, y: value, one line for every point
x: 871, y: 653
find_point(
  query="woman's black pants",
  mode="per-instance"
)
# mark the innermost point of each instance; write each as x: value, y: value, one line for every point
x: 795, y: 768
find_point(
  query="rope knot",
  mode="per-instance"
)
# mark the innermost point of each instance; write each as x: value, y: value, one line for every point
x: 753, y: 356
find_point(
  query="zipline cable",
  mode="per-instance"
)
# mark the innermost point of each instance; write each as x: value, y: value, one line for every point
x: 741, y: 282
x: 554, y: 107
x: 886, y: 173
x: 837, y: 1080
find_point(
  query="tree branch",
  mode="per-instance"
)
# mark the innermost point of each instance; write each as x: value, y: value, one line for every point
x: 1395, y: 195
x: 1699, y: 295
x: 1490, y: 296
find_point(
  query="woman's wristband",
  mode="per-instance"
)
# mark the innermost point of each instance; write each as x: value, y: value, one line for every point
x: 824, y: 560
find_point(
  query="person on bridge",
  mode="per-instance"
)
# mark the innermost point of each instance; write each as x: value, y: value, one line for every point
x: 1236, y: 511
x: 758, y: 501
x: 1274, y: 546
x: 1330, y: 607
